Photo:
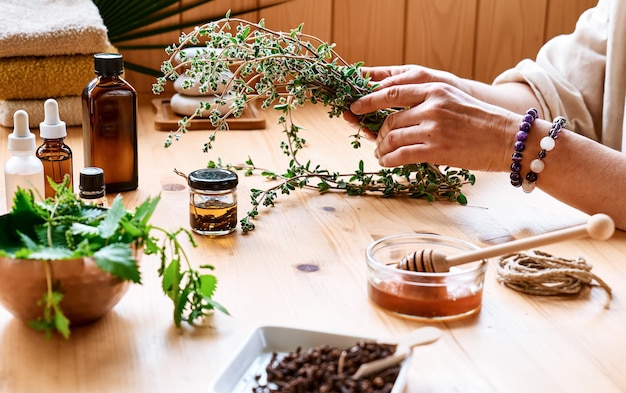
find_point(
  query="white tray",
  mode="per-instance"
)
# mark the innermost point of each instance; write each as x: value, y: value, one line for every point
x: 252, y: 358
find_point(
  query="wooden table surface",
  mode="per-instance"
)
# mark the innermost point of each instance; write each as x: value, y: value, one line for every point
x: 516, y: 343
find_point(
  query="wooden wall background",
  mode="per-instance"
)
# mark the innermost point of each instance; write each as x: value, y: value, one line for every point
x: 471, y: 38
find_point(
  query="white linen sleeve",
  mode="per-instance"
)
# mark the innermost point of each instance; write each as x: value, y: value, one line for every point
x: 568, y: 74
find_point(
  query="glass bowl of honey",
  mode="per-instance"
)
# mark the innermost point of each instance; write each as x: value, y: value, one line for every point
x: 423, y: 295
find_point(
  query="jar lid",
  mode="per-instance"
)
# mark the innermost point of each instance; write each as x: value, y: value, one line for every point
x: 108, y: 64
x: 91, y: 179
x: 212, y: 179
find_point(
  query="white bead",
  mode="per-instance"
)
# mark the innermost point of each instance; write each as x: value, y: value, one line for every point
x: 547, y: 143
x: 537, y: 165
x: 528, y: 187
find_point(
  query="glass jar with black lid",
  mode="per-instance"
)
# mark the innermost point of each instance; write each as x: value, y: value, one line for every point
x: 213, y: 201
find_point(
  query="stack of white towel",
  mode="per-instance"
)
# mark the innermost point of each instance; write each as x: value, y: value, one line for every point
x: 46, y: 51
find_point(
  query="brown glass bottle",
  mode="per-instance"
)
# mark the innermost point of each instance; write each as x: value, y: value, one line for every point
x: 54, y: 154
x: 110, y: 124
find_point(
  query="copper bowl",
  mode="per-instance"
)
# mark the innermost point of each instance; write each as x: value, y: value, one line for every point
x: 89, y: 293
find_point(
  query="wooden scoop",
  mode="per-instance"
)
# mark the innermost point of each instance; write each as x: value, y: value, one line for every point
x: 420, y: 336
x: 599, y: 227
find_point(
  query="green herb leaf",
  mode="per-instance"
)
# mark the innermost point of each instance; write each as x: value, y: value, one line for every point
x: 208, y: 284
x: 171, y: 279
x: 118, y: 259
x: 84, y: 230
x: 53, y: 318
x: 51, y: 253
x: 143, y: 212
x: 112, y: 218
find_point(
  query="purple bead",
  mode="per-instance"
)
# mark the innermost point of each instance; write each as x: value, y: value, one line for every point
x: 521, y: 136
x: 533, y: 112
x: 524, y: 126
x: 517, y: 156
x: 516, y: 183
x: 516, y: 167
x: 515, y: 176
x: 531, y: 177
x: 519, y: 146
x: 542, y: 154
x: 528, y: 118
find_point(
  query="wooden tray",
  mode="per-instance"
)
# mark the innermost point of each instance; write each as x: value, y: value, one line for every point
x: 166, y: 120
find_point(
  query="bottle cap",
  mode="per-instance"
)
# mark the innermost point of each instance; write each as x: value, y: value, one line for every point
x: 21, y: 139
x: 215, y: 179
x: 52, y: 127
x: 108, y: 63
x: 91, y: 179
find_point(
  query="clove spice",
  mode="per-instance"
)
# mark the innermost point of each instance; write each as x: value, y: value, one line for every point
x: 328, y: 369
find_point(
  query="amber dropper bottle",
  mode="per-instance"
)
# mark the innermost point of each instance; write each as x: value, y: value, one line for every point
x: 110, y: 124
x: 54, y: 154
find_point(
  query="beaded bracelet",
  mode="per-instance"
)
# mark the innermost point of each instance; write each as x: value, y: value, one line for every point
x: 520, y: 145
x: 547, y: 143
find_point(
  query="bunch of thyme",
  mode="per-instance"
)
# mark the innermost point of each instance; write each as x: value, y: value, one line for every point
x: 287, y: 70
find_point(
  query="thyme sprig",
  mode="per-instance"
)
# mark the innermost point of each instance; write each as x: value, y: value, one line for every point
x: 419, y: 181
x: 285, y: 71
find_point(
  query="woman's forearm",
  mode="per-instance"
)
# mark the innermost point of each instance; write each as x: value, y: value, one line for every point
x: 580, y: 172
x: 516, y: 97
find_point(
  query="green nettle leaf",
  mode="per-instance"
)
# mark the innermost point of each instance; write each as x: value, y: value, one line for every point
x: 24, y: 217
x: 53, y: 318
x: 171, y: 279
x: 61, y: 323
x: 208, y: 284
x: 180, y: 304
x: 213, y: 305
x: 118, y: 259
x: 285, y: 71
x: 143, y: 212
x: 84, y: 229
x: 51, y: 253
x: 27, y: 242
x: 112, y: 218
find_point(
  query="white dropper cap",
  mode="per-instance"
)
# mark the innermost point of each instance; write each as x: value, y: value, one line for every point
x: 52, y: 127
x: 21, y: 139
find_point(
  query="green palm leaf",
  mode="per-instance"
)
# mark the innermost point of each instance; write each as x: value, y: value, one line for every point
x: 126, y: 21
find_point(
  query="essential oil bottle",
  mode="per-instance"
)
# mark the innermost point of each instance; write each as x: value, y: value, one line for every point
x: 91, y: 187
x: 23, y: 169
x: 54, y: 154
x: 110, y: 124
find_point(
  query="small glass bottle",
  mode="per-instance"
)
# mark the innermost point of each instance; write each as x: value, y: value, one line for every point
x: 110, y: 124
x: 91, y: 187
x: 54, y: 154
x: 212, y: 201
x: 23, y: 169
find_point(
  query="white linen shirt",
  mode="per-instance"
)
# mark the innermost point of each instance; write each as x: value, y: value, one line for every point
x: 582, y: 75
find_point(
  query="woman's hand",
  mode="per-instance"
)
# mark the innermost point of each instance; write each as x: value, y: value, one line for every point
x: 386, y: 76
x: 441, y: 124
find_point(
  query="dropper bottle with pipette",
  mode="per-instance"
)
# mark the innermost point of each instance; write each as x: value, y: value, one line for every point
x: 23, y: 169
x: 54, y: 154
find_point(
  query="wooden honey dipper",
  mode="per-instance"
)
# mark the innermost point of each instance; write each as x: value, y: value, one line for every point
x: 599, y: 227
